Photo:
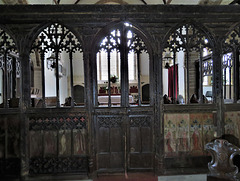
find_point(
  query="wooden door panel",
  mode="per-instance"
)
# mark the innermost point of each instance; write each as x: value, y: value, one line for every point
x: 141, y: 161
x: 140, y: 154
x: 135, y: 139
x: 103, y: 160
x: 117, y: 160
x: 118, y: 135
x: 103, y: 140
x: 146, y: 135
x: 110, y: 150
x: 116, y: 140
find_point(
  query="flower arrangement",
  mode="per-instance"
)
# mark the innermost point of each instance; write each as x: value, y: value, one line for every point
x: 113, y: 78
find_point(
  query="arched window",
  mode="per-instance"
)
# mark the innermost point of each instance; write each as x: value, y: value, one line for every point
x: 9, y: 72
x: 58, y: 67
x: 122, y: 68
x: 230, y: 67
x: 187, y: 67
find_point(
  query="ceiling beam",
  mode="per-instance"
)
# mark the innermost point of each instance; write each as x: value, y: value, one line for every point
x: 77, y: 2
x: 144, y: 2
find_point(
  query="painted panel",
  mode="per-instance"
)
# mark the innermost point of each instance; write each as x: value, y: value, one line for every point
x: 58, y: 144
x: 187, y: 133
x: 50, y: 143
x: 79, y: 137
x: 170, y: 130
x: 196, y: 134
x: 183, y: 132
x: 209, y: 129
x: 232, y: 121
x: 65, y: 142
x: 36, y: 146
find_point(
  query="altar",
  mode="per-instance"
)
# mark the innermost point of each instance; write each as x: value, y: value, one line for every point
x: 115, y: 99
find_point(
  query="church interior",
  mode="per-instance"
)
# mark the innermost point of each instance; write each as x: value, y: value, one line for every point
x: 116, y: 87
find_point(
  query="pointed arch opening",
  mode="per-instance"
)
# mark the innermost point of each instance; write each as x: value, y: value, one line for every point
x: 10, y: 72
x: 123, y: 69
x: 58, y: 68
x: 230, y: 66
x: 187, y: 66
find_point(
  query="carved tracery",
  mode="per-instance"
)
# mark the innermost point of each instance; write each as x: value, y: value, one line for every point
x: 188, y: 39
x: 57, y: 38
x: 9, y: 66
x: 230, y: 66
x: 123, y: 41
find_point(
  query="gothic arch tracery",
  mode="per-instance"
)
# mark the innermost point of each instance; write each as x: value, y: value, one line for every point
x: 56, y: 39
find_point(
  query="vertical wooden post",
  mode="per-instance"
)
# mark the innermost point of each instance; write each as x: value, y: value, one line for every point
x: 25, y: 103
x: 217, y: 89
x: 43, y: 79
x: 71, y: 77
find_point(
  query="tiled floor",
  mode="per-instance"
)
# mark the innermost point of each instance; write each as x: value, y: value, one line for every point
x: 200, y: 177
x: 128, y: 177
x: 151, y: 177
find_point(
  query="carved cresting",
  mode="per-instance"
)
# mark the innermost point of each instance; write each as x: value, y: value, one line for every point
x: 222, y: 153
x: 140, y: 122
x: 109, y: 122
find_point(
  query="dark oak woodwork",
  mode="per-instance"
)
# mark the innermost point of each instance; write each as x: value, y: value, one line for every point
x: 117, y: 139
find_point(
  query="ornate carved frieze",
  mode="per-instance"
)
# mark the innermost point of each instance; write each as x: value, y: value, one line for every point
x: 109, y: 122
x: 58, y: 165
x: 58, y: 123
x: 140, y: 121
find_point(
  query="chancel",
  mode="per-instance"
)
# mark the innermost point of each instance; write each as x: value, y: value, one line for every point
x: 117, y: 87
